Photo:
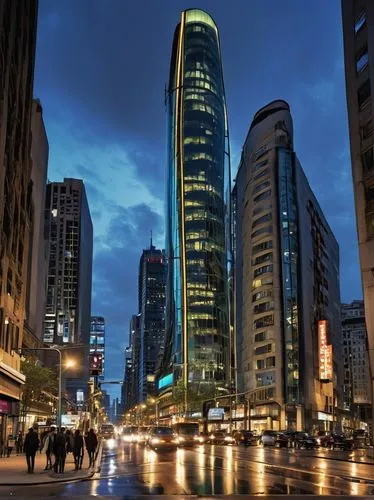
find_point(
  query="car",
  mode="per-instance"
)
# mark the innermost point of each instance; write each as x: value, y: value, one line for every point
x: 221, y: 437
x: 341, y: 442
x: 247, y: 438
x: 273, y: 438
x: 130, y: 434
x: 141, y: 435
x: 161, y: 438
x: 303, y: 440
x: 361, y: 438
x: 325, y: 438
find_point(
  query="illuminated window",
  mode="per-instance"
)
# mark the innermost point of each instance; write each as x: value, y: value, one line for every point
x: 261, y: 295
x: 263, y: 270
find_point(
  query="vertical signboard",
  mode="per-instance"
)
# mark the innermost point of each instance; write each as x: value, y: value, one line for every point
x: 325, y: 353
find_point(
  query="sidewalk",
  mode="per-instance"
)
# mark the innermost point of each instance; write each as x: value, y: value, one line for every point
x: 13, y: 470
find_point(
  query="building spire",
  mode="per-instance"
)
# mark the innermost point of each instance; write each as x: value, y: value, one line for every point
x: 151, y: 245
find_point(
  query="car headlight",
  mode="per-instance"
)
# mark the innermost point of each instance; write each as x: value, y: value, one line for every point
x: 196, y: 438
x: 229, y: 439
x: 211, y: 436
x: 318, y: 441
x: 181, y: 439
x: 155, y: 440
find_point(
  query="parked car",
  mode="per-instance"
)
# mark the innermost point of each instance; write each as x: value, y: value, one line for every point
x: 273, y: 438
x: 247, y: 438
x: 325, y: 438
x: 303, y: 440
x: 341, y: 442
x: 361, y: 438
x: 162, y: 437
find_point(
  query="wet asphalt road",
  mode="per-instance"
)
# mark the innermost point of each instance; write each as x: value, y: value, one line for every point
x: 131, y: 470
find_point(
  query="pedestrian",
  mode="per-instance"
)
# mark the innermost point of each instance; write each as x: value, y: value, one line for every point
x: 49, y: 442
x: 69, y: 441
x: 59, y: 450
x: 10, y: 444
x: 78, y: 449
x: 30, y: 447
x: 19, y: 443
x: 91, y: 445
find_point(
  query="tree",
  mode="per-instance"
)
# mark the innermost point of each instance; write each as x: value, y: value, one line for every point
x: 39, y: 379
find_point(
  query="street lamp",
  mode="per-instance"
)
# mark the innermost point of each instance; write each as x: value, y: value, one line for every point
x: 70, y: 363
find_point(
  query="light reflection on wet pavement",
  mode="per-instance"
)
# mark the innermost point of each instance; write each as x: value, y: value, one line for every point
x: 131, y: 470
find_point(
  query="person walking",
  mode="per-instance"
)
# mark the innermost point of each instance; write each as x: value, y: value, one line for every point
x: 59, y: 450
x: 49, y: 442
x: 19, y: 443
x: 91, y: 445
x: 10, y: 444
x: 30, y: 447
x: 69, y: 441
x: 78, y: 449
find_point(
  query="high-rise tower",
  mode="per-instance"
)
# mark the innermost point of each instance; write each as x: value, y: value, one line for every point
x: 287, y: 284
x: 198, y: 189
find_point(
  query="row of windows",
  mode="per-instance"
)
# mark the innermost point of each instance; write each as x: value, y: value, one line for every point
x: 268, y: 280
x: 262, y: 258
x: 264, y: 207
x: 264, y: 321
x: 264, y: 307
x: 264, y: 349
x: 263, y: 379
x: 262, y: 295
x: 259, y: 165
x: 261, y: 220
x: 262, y: 336
x: 263, y: 196
x: 262, y: 246
x: 261, y: 174
x: 263, y: 230
x: 265, y: 363
x: 261, y: 186
x: 263, y: 270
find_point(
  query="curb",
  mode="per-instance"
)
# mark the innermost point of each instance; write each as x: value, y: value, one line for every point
x: 89, y: 475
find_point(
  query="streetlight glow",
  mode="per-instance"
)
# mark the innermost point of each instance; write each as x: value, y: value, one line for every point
x: 70, y: 363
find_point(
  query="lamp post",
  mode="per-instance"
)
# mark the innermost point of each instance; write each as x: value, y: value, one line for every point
x: 70, y: 364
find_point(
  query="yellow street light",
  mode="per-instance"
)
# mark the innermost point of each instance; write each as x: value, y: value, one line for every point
x: 70, y: 363
x: 144, y: 406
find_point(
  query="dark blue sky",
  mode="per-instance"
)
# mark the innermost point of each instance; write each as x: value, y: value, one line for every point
x: 100, y: 73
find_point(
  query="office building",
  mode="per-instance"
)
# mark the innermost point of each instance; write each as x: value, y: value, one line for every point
x: 197, y: 353
x: 132, y: 379
x: 358, y: 28
x: 357, y: 398
x: 126, y: 395
x: 38, y: 248
x: 151, y: 304
x: 97, y: 339
x: 18, y: 24
x: 68, y: 303
x: 287, y: 285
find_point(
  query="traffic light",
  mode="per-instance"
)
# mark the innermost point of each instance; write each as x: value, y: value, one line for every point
x: 96, y: 363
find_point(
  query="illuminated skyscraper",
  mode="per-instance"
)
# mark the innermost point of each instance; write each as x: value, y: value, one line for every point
x: 198, y: 187
x: 97, y: 338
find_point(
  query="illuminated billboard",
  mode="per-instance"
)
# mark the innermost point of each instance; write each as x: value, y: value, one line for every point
x: 165, y: 381
x: 325, y: 353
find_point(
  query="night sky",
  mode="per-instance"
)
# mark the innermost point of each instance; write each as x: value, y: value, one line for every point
x: 101, y: 69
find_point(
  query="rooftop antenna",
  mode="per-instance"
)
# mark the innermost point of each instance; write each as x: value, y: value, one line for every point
x: 151, y: 241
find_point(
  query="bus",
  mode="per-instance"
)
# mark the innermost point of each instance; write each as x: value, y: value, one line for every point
x: 188, y: 433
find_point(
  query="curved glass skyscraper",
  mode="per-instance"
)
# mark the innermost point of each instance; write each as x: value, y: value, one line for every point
x: 198, y: 187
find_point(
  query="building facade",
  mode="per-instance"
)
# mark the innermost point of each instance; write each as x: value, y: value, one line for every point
x: 126, y: 396
x: 358, y: 28
x: 18, y: 24
x: 357, y: 398
x: 286, y: 284
x: 97, y: 339
x: 68, y: 303
x: 151, y: 288
x: 197, y: 350
x: 38, y: 248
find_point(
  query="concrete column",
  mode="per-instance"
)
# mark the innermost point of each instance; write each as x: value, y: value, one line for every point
x: 283, y: 423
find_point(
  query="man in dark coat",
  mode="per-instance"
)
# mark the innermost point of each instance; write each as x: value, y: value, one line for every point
x: 59, y: 450
x: 91, y: 445
x: 31, y: 446
x: 78, y: 449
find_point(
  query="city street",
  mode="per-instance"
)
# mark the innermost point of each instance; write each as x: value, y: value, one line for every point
x: 130, y: 470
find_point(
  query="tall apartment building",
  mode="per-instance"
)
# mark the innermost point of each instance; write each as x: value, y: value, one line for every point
x: 198, y: 208
x: 38, y: 248
x: 97, y: 339
x: 357, y: 398
x: 68, y: 304
x: 287, y: 284
x: 18, y: 24
x: 151, y: 304
x: 358, y: 28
